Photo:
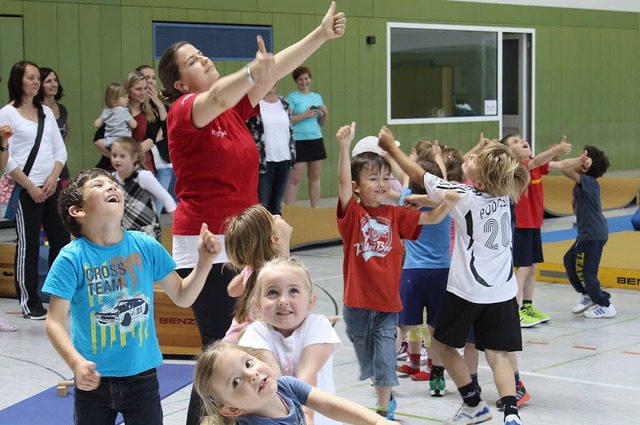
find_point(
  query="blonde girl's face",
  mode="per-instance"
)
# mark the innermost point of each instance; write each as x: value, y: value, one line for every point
x: 245, y: 383
x: 122, y: 160
x: 285, y: 299
x: 139, y: 91
x: 50, y: 85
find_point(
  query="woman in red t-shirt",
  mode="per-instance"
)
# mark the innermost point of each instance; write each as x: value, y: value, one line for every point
x: 214, y: 156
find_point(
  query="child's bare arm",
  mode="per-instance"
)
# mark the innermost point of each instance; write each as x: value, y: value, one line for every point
x: 98, y: 123
x: 184, y: 292
x: 86, y: 376
x: 561, y: 148
x: 572, y: 174
x: 133, y: 123
x: 343, y: 410
x: 482, y: 142
x: 235, y: 288
x: 387, y: 142
x: 437, y: 156
x: 436, y: 215
x: 311, y: 361
x: 345, y: 136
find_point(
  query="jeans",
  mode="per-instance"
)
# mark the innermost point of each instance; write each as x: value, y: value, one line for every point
x: 581, y: 262
x: 167, y: 179
x: 373, y: 334
x: 272, y: 185
x: 136, y: 397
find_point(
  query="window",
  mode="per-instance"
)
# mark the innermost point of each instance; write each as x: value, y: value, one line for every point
x: 440, y: 73
x: 218, y: 42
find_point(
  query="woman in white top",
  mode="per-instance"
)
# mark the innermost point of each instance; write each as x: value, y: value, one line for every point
x: 273, y: 133
x: 38, y: 204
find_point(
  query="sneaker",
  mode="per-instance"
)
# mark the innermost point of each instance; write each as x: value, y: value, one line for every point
x: 534, y: 312
x: 407, y: 369
x: 512, y: 420
x: 391, y: 409
x: 468, y: 415
x: 37, y: 313
x: 437, y: 386
x: 527, y: 321
x: 584, y: 304
x: 402, y: 351
x: 601, y: 312
x: 522, y: 396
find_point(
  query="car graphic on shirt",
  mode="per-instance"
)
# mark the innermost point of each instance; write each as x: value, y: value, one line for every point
x: 124, y: 312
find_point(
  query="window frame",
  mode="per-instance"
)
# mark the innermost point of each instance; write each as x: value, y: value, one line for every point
x: 464, y: 119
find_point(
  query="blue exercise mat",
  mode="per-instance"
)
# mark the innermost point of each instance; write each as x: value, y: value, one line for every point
x: 616, y: 224
x: 46, y: 408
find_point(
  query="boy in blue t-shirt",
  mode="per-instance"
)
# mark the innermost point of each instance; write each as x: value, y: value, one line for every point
x: 583, y: 258
x: 105, y: 277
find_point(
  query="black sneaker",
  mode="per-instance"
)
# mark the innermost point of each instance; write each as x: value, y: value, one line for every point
x: 37, y: 313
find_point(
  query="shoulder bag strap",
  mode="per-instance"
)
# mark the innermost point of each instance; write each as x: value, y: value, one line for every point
x: 34, y: 151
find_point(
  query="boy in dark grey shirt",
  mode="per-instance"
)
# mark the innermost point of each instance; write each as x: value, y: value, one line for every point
x: 583, y: 258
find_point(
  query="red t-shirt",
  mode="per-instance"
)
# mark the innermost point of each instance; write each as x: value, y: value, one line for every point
x: 140, y: 134
x: 530, y: 207
x: 373, y: 253
x: 216, y: 166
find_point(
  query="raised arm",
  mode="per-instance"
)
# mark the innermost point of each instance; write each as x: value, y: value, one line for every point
x: 561, y: 148
x: 437, y: 214
x: 387, y: 142
x: 345, y: 136
x: 572, y: 174
x: 482, y: 142
x: 184, y: 292
x: 257, y: 78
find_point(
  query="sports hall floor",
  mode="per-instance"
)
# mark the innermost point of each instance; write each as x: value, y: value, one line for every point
x: 578, y: 371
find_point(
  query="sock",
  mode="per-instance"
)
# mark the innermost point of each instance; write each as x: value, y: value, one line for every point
x: 517, y: 377
x: 382, y: 409
x: 510, y: 405
x: 474, y: 379
x: 414, y: 360
x: 526, y: 303
x: 437, y: 372
x: 469, y: 395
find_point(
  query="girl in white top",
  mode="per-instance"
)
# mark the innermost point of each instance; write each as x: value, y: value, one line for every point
x: 302, y: 343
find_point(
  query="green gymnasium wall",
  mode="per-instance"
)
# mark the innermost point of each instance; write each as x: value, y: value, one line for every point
x: 586, y: 63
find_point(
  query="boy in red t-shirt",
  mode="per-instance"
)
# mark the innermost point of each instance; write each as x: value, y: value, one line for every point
x: 372, y: 234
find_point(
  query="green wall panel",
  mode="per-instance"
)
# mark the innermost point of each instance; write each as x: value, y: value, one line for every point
x: 586, y: 63
x: 11, y: 51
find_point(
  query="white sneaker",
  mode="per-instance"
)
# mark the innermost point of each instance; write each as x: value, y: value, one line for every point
x: 583, y: 305
x: 468, y: 415
x: 601, y: 312
x: 512, y: 420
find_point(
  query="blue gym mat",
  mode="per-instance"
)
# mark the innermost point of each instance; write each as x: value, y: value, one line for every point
x: 46, y: 408
x: 616, y: 224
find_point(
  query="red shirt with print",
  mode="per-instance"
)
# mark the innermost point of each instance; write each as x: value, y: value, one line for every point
x: 216, y: 166
x: 530, y: 207
x: 373, y: 253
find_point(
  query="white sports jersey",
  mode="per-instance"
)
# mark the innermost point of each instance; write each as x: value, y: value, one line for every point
x: 481, y: 264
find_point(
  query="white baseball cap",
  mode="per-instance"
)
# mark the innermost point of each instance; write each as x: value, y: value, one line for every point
x: 368, y: 144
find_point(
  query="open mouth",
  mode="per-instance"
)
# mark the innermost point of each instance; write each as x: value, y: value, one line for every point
x: 284, y: 313
x: 113, y: 198
x: 263, y: 384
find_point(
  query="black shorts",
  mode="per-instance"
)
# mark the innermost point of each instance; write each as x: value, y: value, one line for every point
x: 527, y: 247
x: 496, y: 326
x: 310, y: 150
